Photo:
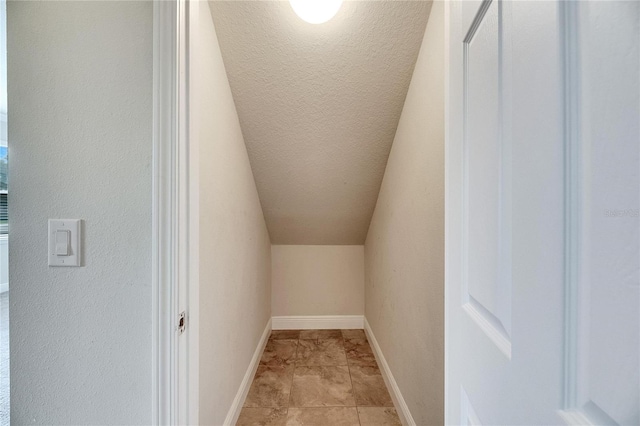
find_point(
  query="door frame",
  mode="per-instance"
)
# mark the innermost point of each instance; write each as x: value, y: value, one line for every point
x: 175, y: 215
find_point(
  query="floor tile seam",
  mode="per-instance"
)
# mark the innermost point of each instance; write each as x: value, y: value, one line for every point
x: 267, y: 406
x: 344, y: 344
x: 376, y: 406
x: 318, y: 339
x: 321, y: 365
x: 325, y: 406
x: 353, y: 389
x: 293, y: 373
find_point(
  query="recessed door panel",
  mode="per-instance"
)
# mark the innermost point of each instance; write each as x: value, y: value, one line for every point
x: 487, y: 292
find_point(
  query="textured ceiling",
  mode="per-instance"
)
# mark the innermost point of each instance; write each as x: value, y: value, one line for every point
x: 319, y: 106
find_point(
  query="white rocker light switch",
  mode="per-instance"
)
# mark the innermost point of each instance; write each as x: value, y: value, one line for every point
x: 62, y: 242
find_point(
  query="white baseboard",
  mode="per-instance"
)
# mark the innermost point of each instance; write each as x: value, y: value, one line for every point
x: 398, y: 400
x: 238, y: 401
x: 4, y: 287
x: 323, y: 322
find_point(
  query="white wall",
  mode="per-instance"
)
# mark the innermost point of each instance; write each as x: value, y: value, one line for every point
x: 4, y: 263
x: 80, y: 115
x: 235, y: 250
x: 404, y: 251
x: 317, y: 280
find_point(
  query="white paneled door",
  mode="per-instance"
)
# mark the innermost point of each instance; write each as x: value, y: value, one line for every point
x: 543, y: 226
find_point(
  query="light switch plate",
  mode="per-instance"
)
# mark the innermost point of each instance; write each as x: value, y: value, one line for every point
x: 74, y: 253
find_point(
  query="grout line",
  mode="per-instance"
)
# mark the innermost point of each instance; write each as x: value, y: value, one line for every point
x: 351, y: 379
x: 328, y: 406
x: 293, y: 373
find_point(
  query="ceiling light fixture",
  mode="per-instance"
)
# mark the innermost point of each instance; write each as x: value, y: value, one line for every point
x: 316, y: 11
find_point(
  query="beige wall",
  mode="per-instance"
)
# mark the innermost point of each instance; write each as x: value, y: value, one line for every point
x: 317, y: 280
x: 80, y: 122
x: 235, y: 263
x: 404, y: 251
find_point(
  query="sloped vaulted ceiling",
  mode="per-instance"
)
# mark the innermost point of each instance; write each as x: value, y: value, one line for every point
x: 319, y: 106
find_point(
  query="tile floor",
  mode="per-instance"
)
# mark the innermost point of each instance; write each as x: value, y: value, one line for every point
x: 318, y: 377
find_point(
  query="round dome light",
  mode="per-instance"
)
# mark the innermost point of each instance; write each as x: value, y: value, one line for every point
x: 316, y: 11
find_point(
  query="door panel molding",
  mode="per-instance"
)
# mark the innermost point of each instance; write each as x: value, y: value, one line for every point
x: 486, y: 281
x: 468, y: 413
x: 572, y: 197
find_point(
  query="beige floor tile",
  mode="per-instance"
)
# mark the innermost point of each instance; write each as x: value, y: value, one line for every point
x: 359, y: 352
x: 262, y: 417
x: 354, y: 334
x: 333, y: 416
x: 279, y: 352
x: 321, y: 352
x: 271, y: 387
x: 284, y: 334
x: 369, y: 388
x: 320, y: 334
x: 321, y: 387
x: 318, y: 380
x: 370, y: 416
